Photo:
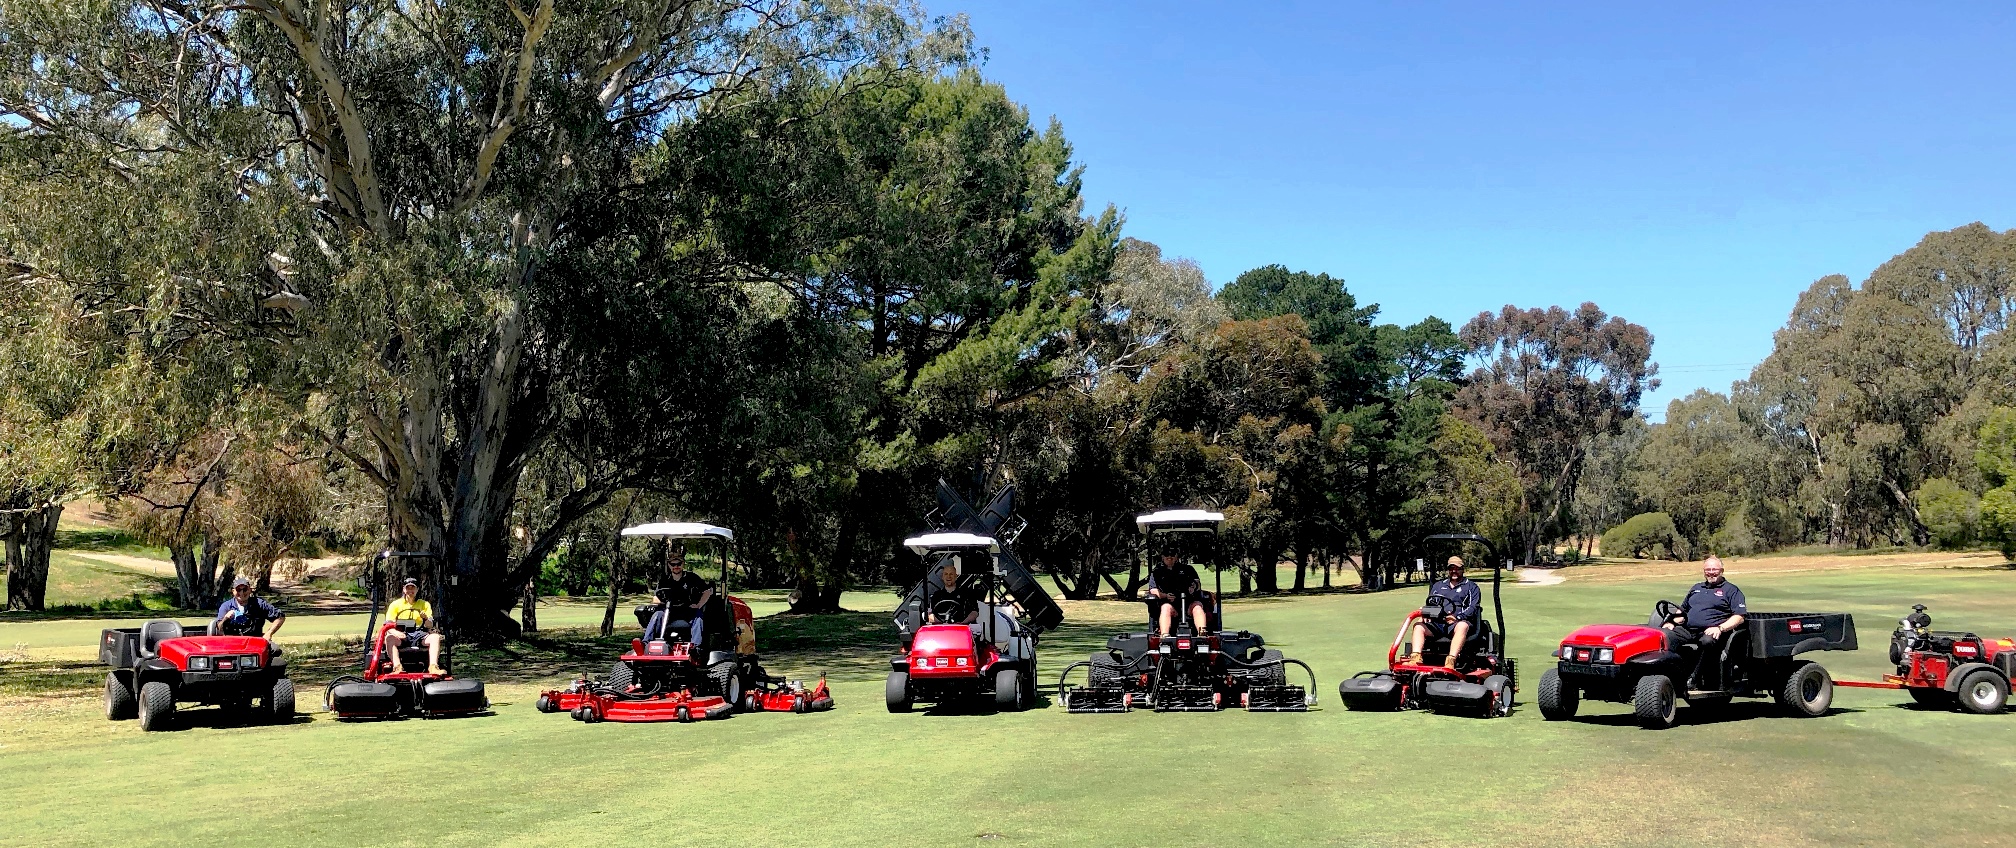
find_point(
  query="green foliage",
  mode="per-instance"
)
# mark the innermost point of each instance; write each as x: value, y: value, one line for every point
x: 1952, y: 513
x: 1652, y: 532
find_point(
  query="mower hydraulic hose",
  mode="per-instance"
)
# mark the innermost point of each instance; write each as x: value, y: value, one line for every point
x: 1062, y: 687
x: 329, y: 692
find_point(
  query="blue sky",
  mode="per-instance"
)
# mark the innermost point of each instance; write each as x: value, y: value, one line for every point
x: 1689, y: 167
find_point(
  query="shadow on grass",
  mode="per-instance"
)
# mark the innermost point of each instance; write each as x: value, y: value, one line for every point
x: 1697, y: 716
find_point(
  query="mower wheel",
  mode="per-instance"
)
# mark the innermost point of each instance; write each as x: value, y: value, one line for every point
x: 1983, y: 692
x: 279, y: 703
x: 545, y: 705
x: 751, y: 703
x: 578, y: 713
x: 1500, y: 703
x: 684, y: 715
x: 1653, y: 702
x: 1808, y: 690
x: 1558, y: 698
x: 620, y: 677
x: 897, y: 692
x: 120, y: 702
x: 1008, y: 691
x: 801, y: 705
x: 157, y: 705
x: 1928, y: 697
x: 721, y: 678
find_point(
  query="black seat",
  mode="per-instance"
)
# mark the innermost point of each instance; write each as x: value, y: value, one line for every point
x: 1478, y: 639
x: 1155, y: 606
x: 153, y: 633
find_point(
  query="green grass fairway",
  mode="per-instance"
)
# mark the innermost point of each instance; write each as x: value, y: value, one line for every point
x: 1873, y: 772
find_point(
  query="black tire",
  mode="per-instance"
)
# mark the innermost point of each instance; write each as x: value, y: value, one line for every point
x: 1929, y: 698
x: 279, y: 703
x: 545, y: 705
x: 722, y: 680
x: 1653, y: 702
x: 1105, y: 671
x: 1500, y: 702
x: 157, y: 705
x: 120, y: 702
x: 1008, y: 691
x: 683, y: 714
x: 1272, y: 671
x: 1983, y: 692
x: 1558, y: 698
x: 896, y: 692
x: 620, y: 677
x: 1807, y: 690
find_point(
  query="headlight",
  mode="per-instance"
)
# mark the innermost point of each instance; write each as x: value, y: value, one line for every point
x: 249, y: 661
x: 1603, y: 655
x: 1567, y: 652
x: 199, y: 663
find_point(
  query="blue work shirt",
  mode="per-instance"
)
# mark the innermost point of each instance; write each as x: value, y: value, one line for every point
x: 237, y: 616
x: 1462, y: 600
x: 1707, y: 606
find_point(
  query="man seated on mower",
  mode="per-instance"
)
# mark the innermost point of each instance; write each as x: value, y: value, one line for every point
x: 246, y: 614
x: 1712, y: 609
x: 413, y: 616
x: 1460, y: 603
x: 961, y: 603
x: 1175, y: 582
x: 683, y: 595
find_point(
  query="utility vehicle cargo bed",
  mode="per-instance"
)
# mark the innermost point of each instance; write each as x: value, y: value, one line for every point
x: 1784, y: 634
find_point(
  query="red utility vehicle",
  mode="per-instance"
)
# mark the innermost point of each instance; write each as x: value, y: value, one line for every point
x: 672, y: 677
x: 382, y: 693
x: 945, y: 661
x: 158, y: 664
x: 1947, y: 668
x: 1651, y: 668
x: 1484, y: 681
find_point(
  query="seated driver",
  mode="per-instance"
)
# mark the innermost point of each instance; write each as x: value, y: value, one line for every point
x: 1461, y: 603
x: 1712, y: 609
x: 246, y: 614
x: 1175, y: 582
x: 684, y: 596
x: 415, y: 617
x: 964, y: 601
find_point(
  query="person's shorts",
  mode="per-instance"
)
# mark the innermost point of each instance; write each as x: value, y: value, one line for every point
x: 1444, y: 629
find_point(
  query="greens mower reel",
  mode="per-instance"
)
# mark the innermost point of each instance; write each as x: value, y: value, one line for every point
x: 672, y: 676
x: 1197, y: 667
x: 381, y: 692
x: 1484, y: 682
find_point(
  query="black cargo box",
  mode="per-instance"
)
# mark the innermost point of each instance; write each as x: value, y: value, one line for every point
x: 119, y: 647
x: 1785, y: 634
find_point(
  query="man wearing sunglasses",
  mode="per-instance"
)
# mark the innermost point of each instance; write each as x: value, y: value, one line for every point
x: 246, y: 614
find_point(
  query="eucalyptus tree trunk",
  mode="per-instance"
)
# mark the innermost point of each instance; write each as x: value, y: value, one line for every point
x: 33, y: 536
x: 196, y: 584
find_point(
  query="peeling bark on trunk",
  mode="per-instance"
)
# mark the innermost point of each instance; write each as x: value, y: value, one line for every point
x: 528, y: 613
x: 28, y: 550
x: 196, y: 583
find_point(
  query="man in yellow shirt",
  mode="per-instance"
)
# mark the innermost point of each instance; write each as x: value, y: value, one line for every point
x: 415, y: 617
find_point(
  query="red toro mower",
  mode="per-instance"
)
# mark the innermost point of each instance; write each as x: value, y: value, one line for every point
x: 1651, y: 668
x: 1198, y: 666
x: 670, y: 676
x: 1483, y: 682
x: 389, y: 690
x: 973, y: 649
x: 156, y: 665
x: 1942, y: 669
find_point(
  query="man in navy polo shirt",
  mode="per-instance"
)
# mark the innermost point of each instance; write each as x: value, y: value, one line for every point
x: 1460, y: 603
x: 246, y: 614
x: 1711, y: 610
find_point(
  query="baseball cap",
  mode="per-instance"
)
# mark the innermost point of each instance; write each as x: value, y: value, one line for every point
x: 242, y: 581
x: 411, y: 582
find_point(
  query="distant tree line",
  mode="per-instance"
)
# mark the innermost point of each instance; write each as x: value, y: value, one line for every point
x: 493, y: 280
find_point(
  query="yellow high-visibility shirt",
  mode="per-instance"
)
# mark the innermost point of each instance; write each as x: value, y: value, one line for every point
x: 416, y: 612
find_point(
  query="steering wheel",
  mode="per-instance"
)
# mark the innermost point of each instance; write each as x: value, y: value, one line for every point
x: 944, y: 611
x: 664, y: 596
x: 1667, y: 611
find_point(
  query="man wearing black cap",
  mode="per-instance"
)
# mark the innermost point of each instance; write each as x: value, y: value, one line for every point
x: 683, y: 595
x: 417, y: 617
x: 246, y: 614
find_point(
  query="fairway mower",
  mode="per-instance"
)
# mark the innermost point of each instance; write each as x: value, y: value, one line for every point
x: 969, y: 628
x: 1484, y: 682
x: 382, y: 691
x: 1196, y: 667
x: 670, y: 677
x: 160, y: 663
x: 1943, y: 669
x: 1651, y: 668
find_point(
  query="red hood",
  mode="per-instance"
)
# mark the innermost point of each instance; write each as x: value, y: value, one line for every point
x: 1629, y: 640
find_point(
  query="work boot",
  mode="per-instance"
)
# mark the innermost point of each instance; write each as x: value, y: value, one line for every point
x: 435, y: 669
x: 1411, y: 659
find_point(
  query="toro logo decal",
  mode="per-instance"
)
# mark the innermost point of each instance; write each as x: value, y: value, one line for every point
x: 1794, y: 625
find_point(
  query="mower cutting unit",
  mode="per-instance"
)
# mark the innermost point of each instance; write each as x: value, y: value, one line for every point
x: 1946, y: 668
x: 1484, y: 682
x: 1199, y: 667
x: 381, y: 692
x: 1650, y: 668
x: 672, y: 678
x: 991, y: 662
x: 156, y: 665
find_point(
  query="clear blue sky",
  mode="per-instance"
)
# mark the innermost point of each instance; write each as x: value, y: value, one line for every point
x: 1690, y: 167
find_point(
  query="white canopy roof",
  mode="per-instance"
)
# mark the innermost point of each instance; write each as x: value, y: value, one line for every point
x: 1179, y: 521
x: 681, y: 530
x: 921, y: 545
